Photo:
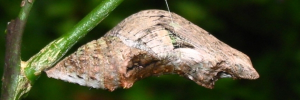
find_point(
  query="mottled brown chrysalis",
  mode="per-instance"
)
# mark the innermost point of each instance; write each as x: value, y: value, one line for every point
x: 150, y: 43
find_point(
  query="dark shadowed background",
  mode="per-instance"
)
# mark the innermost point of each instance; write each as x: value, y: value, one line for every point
x: 266, y: 30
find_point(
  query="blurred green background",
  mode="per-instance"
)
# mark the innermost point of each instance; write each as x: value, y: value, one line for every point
x: 266, y: 30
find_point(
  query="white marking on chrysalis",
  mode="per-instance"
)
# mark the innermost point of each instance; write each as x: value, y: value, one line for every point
x: 225, y: 75
x: 190, y: 77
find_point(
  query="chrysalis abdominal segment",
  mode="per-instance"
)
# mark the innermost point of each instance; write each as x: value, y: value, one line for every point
x: 148, y: 43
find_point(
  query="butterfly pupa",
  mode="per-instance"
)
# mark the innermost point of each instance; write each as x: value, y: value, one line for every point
x: 149, y: 43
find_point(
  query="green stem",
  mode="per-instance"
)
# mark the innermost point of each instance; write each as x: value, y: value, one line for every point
x: 24, y: 13
x: 14, y: 83
x: 54, y: 51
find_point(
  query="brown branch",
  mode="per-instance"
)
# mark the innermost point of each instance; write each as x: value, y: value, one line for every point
x: 11, y: 77
x: 14, y: 83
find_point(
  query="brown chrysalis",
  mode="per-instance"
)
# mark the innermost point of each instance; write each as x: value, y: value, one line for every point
x: 148, y: 43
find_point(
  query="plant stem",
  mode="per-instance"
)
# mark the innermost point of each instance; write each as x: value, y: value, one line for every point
x: 54, y: 51
x: 14, y: 83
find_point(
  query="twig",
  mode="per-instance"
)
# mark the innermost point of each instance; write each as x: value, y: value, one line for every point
x: 14, y: 83
x: 55, y: 50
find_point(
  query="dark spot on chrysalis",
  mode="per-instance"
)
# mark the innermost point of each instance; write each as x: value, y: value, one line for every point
x: 162, y: 16
x: 79, y: 76
x: 129, y: 68
x: 93, y: 78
